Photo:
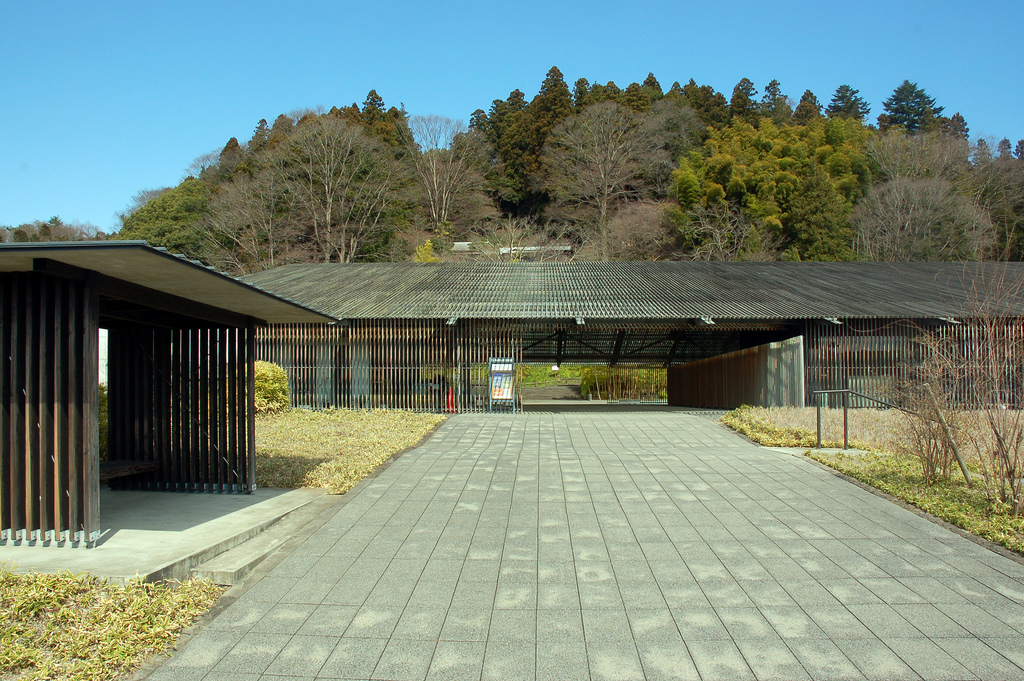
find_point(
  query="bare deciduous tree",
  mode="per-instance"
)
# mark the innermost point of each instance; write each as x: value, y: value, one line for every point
x: 921, y: 218
x: 900, y: 156
x: 446, y: 159
x: 595, y: 162
x: 248, y: 217
x: 343, y: 184
x: 720, y: 232
x: 516, y: 239
x: 636, y: 231
x: 918, y: 213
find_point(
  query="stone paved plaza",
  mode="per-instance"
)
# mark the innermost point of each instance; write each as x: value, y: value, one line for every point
x: 647, y: 545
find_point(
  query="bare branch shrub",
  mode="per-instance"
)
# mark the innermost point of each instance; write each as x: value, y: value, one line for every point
x: 919, y: 433
x: 977, y: 370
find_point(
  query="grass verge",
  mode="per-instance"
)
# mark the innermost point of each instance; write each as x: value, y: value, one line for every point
x: 66, y: 626
x: 898, y: 475
x: 335, y: 448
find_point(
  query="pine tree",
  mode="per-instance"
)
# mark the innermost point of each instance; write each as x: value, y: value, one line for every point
x: 846, y: 103
x: 807, y: 110
x: 910, y: 108
x: 1018, y: 150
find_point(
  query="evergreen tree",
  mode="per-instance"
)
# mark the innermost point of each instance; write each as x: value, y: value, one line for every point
x: 846, y: 103
x: 1018, y: 150
x: 742, y: 106
x: 636, y: 98
x: 819, y: 220
x: 280, y: 131
x: 653, y: 87
x: 807, y: 110
x: 982, y: 152
x: 910, y: 108
x: 260, y: 137
x: 524, y: 139
x: 774, y: 104
x: 173, y: 219
x: 954, y: 125
x: 710, y: 105
x: 676, y: 91
x: 580, y: 90
x: 1003, y: 149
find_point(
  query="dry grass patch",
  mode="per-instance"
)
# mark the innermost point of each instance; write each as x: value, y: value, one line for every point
x: 870, y: 429
x: 333, y: 449
x: 68, y: 626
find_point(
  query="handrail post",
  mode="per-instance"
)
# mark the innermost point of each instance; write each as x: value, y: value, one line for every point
x: 818, y: 404
x: 846, y: 425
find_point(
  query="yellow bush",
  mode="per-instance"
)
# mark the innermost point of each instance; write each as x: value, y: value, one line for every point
x: 272, y: 393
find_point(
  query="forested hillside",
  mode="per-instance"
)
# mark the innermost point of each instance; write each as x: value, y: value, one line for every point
x: 599, y: 172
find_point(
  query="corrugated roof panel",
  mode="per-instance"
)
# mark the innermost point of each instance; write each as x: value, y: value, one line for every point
x: 643, y: 290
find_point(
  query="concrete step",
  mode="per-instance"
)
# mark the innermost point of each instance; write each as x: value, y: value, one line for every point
x: 229, y: 567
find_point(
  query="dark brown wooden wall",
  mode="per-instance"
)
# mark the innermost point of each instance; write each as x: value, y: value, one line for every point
x: 416, y: 365
x: 49, y: 446
x: 180, y: 397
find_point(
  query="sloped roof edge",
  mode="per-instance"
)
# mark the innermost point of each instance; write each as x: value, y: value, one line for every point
x: 156, y: 268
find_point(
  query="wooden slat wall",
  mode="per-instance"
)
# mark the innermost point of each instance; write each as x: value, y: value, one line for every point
x: 180, y: 397
x: 417, y: 365
x: 767, y: 376
x: 875, y: 357
x: 49, y: 444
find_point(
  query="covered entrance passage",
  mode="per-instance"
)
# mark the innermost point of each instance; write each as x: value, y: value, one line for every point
x: 419, y: 336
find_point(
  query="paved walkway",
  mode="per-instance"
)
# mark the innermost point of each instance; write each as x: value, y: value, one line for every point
x: 618, y: 546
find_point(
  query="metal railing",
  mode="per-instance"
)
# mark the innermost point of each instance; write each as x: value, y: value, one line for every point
x: 846, y: 392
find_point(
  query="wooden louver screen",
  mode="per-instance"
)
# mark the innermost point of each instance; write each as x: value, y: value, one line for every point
x: 49, y: 484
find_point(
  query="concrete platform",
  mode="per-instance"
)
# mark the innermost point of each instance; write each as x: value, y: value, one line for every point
x: 160, y: 535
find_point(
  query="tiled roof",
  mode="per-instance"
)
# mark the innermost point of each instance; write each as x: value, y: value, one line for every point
x: 647, y: 291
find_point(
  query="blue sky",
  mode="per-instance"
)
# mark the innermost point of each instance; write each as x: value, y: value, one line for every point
x: 101, y: 99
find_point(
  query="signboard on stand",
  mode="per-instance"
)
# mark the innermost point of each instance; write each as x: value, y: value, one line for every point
x: 503, y: 393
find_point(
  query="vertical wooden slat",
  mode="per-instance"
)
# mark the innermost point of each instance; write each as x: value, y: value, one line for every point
x: 48, y: 517
x: 31, y: 461
x: 8, y: 315
x: 17, y: 480
x: 90, y: 412
x: 194, y: 352
x: 232, y: 400
x: 250, y: 412
x: 62, y: 445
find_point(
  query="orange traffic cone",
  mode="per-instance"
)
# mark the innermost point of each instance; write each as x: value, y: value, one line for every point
x: 450, y: 406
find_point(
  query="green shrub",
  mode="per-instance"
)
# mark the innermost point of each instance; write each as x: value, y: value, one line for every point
x: 271, y: 388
